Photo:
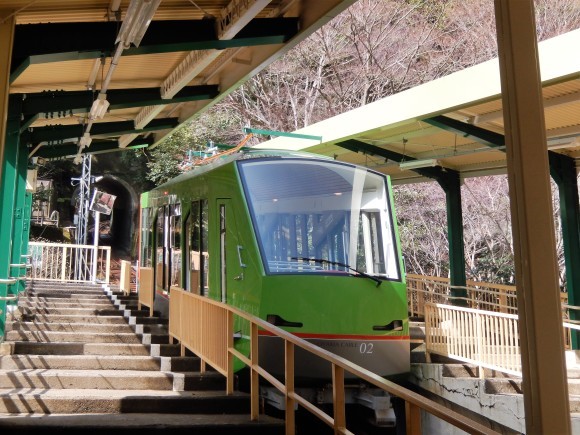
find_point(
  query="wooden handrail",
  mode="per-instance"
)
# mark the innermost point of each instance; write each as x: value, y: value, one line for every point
x: 199, y: 305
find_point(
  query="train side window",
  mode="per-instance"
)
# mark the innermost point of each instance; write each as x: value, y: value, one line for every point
x: 146, y: 253
x: 175, y: 245
x: 160, y: 249
x: 204, y: 247
x: 197, y: 247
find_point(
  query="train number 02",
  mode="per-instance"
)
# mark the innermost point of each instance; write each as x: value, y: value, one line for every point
x: 366, y: 348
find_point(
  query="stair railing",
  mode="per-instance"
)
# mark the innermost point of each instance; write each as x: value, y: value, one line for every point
x: 68, y: 262
x: 206, y: 327
x: 483, y: 338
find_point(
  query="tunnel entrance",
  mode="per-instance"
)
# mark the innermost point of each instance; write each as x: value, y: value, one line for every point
x: 116, y: 229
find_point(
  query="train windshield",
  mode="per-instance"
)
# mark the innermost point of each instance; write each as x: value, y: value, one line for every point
x: 321, y: 217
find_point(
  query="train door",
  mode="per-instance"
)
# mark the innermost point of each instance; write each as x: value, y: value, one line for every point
x: 166, y: 237
x: 231, y: 252
x: 160, y: 254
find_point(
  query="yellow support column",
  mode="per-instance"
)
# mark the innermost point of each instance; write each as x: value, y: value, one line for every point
x: 6, y: 41
x: 543, y: 365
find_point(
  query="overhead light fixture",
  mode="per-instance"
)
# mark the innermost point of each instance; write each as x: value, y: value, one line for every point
x: 85, y: 141
x: 416, y: 164
x: 99, y: 107
x: 136, y: 21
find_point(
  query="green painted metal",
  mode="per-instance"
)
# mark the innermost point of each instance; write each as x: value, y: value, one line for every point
x: 100, y: 147
x: 325, y: 304
x: 162, y: 37
x: 7, y: 198
x: 563, y: 171
x: 62, y: 132
x: 451, y: 184
x: 281, y: 133
x: 19, y: 218
x: 26, y: 228
x: 479, y: 134
x: 57, y: 103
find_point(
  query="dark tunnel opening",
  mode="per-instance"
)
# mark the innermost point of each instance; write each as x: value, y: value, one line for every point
x: 116, y: 229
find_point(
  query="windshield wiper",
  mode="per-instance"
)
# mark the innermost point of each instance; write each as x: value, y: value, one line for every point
x: 336, y: 263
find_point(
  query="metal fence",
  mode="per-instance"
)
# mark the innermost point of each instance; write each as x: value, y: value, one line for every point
x: 67, y: 262
x: 483, y: 338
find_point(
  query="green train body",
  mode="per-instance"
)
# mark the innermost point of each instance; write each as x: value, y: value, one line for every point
x: 272, y: 234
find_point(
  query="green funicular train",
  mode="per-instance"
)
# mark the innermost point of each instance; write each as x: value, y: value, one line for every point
x: 307, y: 243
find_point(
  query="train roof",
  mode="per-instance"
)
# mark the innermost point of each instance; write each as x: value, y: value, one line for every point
x: 246, y: 154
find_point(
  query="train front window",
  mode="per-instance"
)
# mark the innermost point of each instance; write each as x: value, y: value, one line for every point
x: 320, y: 217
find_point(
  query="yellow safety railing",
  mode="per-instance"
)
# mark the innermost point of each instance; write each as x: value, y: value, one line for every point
x: 146, y: 289
x: 480, y: 295
x: 206, y: 327
x: 483, y: 338
x: 125, y: 279
x: 68, y: 262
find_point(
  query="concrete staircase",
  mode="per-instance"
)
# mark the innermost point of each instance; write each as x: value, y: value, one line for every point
x: 82, y: 357
x: 498, y: 396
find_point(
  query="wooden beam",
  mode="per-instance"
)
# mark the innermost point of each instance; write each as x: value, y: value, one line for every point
x: 543, y: 365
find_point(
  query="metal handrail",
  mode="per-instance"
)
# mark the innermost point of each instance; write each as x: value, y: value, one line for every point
x: 8, y: 281
x: 9, y: 298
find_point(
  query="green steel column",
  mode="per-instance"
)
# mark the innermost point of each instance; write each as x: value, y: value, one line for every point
x: 26, y: 230
x: 563, y: 171
x: 451, y: 184
x: 7, y: 198
x: 18, y: 222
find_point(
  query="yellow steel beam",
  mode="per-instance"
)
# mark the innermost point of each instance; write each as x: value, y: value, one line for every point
x: 6, y: 42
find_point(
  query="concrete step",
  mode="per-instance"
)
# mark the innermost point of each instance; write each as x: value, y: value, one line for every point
x: 137, y: 423
x: 110, y: 311
x: 110, y: 379
x: 133, y: 320
x: 574, y: 403
x: 150, y: 329
x: 82, y: 303
x: 471, y: 371
x: 35, y: 348
x: 81, y: 337
x: 99, y: 328
x: 76, y: 292
x: 65, y: 298
x: 95, y: 362
x: 72, y: 401
x: 123, y: 297
x: 117, y: 318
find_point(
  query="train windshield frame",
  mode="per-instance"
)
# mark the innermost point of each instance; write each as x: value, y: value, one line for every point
x: 320, y: 217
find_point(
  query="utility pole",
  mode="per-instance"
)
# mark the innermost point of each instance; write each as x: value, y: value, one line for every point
x: 85, y: 181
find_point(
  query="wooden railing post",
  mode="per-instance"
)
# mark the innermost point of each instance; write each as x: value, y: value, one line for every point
x: 230, y: 369
x: 290, y: 403
x: 125, y: 277
x: 503, y: 301
x: 338, y: 399
x: 254, y: 376
x: 413, y: 419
